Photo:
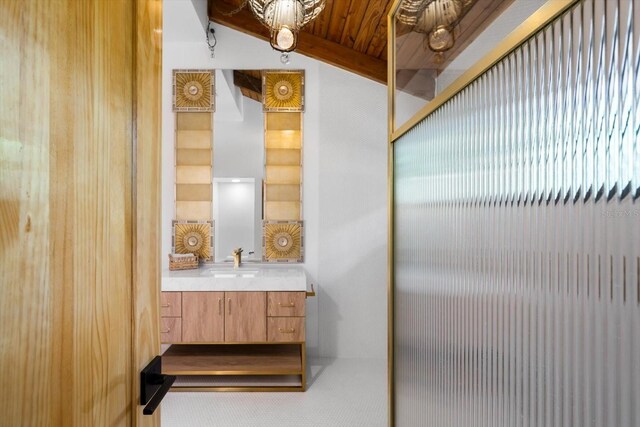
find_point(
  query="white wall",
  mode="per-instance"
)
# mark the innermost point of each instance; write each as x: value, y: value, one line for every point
x: 344, y: 180
x: 352, y: 215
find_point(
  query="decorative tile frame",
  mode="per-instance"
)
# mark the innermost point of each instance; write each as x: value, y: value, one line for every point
x: 283, y: 91
x: 204, y: 229
x: 282, y: 241
x: 194, y: 90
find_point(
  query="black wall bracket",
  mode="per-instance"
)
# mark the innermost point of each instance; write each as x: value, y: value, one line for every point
x: 154, y: 385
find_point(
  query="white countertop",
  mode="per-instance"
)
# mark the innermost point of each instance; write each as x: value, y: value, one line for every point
x: 249, y: 277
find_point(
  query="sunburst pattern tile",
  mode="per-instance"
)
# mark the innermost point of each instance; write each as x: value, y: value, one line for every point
x: 194, y: 237
x: 193, y: 90
x: 282, y: 241
x: 283, y: 91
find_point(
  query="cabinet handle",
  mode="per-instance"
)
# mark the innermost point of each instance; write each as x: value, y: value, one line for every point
x: 229, y: 302
x: 287, y: 305
x: 166, y: 332
x: 219, y: 306
x: 165, y: 305
x: 287, y: 331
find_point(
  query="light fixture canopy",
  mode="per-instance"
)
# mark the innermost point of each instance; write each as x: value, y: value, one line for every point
x: 285, y: 18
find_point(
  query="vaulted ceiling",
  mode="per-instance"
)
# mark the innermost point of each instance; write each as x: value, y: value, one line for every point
x: 352, y: 34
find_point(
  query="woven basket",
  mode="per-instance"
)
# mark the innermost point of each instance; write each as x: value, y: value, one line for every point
x: 183, y: 263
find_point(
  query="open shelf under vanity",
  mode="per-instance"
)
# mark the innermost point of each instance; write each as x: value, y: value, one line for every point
x: 236, y: 367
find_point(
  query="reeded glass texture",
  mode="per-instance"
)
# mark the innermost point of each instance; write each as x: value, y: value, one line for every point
x: 517, y: 237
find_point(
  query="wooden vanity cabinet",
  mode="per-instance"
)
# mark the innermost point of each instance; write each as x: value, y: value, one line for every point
x: 252, y: 334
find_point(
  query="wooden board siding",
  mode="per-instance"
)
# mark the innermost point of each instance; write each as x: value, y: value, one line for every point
x: 79, y: 141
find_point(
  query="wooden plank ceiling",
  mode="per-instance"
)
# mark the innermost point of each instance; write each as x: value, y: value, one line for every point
x: 352, y: 34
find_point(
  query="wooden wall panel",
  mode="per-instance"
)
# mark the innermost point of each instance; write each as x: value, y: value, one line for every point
x: 194, y: 161
x: 282, y: 193
x: 281, y: 199
x: 283, y: 174
x: 196, y: 139
x: 283, y: 139
x: 284, y: 157
x: 194, y: 121
x: 193, y: 157
x: 67, y: 293
x: 193, y: 174
x: 283, y: 121
x: 194, y: 192
x: 282, y: 211
x: 193, y: 211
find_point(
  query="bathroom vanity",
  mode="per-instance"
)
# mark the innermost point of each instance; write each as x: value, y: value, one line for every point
x: 235, y: 329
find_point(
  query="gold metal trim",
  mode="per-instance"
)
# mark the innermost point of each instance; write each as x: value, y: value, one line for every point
x: 391, y: 76
x: 311, y: 293
x: 390, y: 287
x: 243, y: 389
x: 303, y: 356
x: 391, y: 66
x: 538, y: 20
x: 287, y: 305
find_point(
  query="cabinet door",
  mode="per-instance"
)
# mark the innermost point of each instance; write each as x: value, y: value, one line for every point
x: 203, y: 316
x: 246, y: 317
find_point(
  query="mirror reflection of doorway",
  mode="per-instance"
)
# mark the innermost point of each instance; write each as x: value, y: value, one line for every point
x: 233, y: 212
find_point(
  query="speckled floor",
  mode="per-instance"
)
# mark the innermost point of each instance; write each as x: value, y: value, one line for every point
x: 341, y: 393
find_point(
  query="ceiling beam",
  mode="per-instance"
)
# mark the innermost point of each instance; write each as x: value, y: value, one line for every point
x: 250, y: 84
x: 308, y: 44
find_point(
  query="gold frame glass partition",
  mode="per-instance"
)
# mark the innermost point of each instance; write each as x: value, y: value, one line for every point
x: 540, y: 19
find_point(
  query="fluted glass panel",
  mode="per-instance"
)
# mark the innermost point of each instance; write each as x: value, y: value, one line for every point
x: 517, y: 237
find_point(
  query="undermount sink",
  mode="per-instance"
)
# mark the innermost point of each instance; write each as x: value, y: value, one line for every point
x: 229, y: 272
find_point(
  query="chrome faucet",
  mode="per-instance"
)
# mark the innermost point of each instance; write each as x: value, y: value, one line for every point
x: 237, y: 257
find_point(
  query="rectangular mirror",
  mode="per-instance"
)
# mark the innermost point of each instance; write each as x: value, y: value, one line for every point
x: 238, y: 164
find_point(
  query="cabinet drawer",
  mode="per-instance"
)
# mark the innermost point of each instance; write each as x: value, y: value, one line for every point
x: 285, y: 329
x: 285, y: 304
x: 170, y: 304
x: 170, y: 330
